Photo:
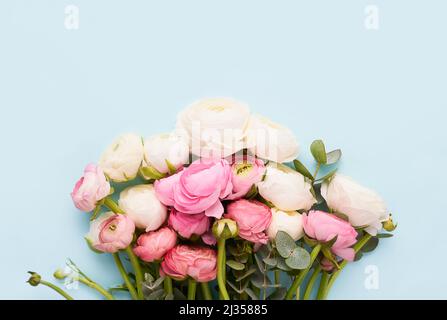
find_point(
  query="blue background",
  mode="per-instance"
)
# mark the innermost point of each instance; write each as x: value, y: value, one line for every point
x: 311, y: 65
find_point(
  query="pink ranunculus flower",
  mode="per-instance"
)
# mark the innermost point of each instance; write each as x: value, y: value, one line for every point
x: 188, y: 224
x: 199, y: 263
x: 111, y: 232
x: 252, y: 218
x: 324, y: 227
x: 326, y: 265
x: 91, y: 188
x: 245, y: 172
x: 198, y: 188
x: 153, y: 245
x: 209, y: 238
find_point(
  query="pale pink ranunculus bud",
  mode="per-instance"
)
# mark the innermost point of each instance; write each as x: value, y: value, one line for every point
x: 161, y: 149
x: 91, y: 188
x: 287, y: 189
x: 216, y: 127
x: 182, y: 261
x: 252, y: 218
x: 189, y: 224
x: 143, y: 207
x: 270, y: 140
x: 323, y: 227
x: 153, y: 245
x: 288, y: 221
x: 122, y: 159
x: 111, y: 232
x: 364, y: 207
x: 198, y: 188
x: 246, y: 171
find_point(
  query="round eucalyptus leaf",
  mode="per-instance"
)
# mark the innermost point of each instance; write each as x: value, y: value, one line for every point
x: 299, y: 259
x: 284, y: 244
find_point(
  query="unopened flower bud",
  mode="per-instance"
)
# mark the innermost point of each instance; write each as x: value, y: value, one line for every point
x: 35, y: 278
x: 225, y: 229
x: 60, y: 274
x: 389, y: 225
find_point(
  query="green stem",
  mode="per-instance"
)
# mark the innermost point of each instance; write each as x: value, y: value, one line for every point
x: 125, y: 277
x: 138, y: 273
x: 311, y: 283
x: 95, y: 286
x: 206, y: 291
x: 192, y: 287
x: 323, y: 286
x: 359, y: 245
x: 112, y: 205
x: 277, y: 277
x: 299, y: 279
x: 221, y: 269
x: 167, y: 283
x: 57, y: 289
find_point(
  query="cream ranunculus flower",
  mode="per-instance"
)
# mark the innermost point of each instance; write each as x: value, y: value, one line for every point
x: 142, y: 206
x: 121, y: 161
x: 287, y: 189
x: 216, y: 127
x: 172, y: 147
x: 270, y: 140
x: 287, y: 221
x: 363, y: 206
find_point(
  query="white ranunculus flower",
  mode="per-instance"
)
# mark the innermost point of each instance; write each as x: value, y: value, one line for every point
x: 142, y: 206
x: 121, y: 161
x: 363, y: 206
x: 216, y: 127
x: 172, y: 147
x: 270, y: 140
x: 287, y: 189
x: 287, y: 221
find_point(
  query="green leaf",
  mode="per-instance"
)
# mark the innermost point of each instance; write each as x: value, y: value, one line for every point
x: 281, y: 265
x: 259, y: 263
x: 157, y: 294
x: 370, y: 245
x: 264, y: 251
x: 384, y: 235
x: 89, y: 244
x: 302, y: 169
x: 284, y: 244
x: 299, y: 259
x: 235, y: 288
x: 257, y: 280
x: 172, y: 169
x: 341, y: 216
x: 333, y: 156
x: 270, y: 261
x: 318, y: 150
x: 358, y: 256
x: 310, y: 242
x: 253, y: 192
x: 278, y: 294
x: 178, y: 294
x: 248, y: 273
x: 169, y: 296
x: 151, y: 173
x: 251, y: 294
x: 235, y: 265
x: 327, y: 176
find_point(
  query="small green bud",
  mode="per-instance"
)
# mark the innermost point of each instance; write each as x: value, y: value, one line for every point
x: 35, y: 278
x: 225, y: 229
x: 389, y: 224
x: 60, y: 274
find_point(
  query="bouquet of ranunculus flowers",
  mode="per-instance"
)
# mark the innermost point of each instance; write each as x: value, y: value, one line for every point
x: 221, y: 208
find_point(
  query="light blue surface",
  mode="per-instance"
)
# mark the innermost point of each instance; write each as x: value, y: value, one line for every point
x: 312, y: 65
